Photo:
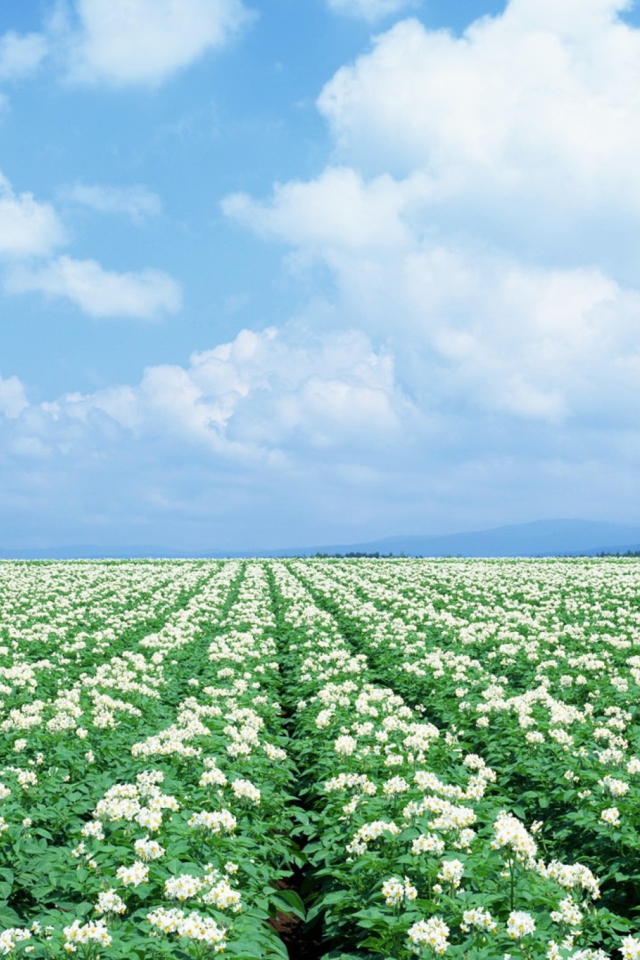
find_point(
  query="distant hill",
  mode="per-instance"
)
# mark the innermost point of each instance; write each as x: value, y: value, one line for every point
x: 541, y: 538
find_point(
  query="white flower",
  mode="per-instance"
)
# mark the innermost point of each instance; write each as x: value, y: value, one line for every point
x: 93, y: 829
x: 148, y: 849
x: 216, y: 822
x: 394, y: 891
x: 26, y: 779
x: 223, y: 896
x: 509, y: 832
x: 245, y: 790
x: 10, y: 937
x: 345, y: 746
x: 133, y: 876
x: 610, y: 816
x: 568, y: 913
x: 192, y: 925
x: 88, y: 933
x: 451, y: 872
x: 214, y: 777
x: 520, y: 924
x: 428, y: 843
x: 183, y: 887
x: 617, y: 788
x: 110, y: 902
x: 431, y: 933
x: 479, y: 918
x: 630, y: 948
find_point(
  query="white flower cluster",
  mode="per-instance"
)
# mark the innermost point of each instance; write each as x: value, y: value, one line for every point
x: 617, y: 788
x: 110, y: 903
x: 568, y: 913
x: 395, y: 891
x: 148, y: 849
x: 427, y: 843
x: 220, y: 821
x: 630, y: 948
x: 191, y: 926
x: 245, y: 790
x: 451, y: 872
x: 570, y: 875
x: 212, y: 777
x: 610, y: 817
x: 10, y: 937
x: 509, y: 832
x: 432, y: 933
x: 133, y: 876
x: 81, y: 934
x: 479, y: 918
x: 520, y: 924
x: 370, y: 832
x: 93, y: 829
x: 351, y: 781
x: 183, y: 887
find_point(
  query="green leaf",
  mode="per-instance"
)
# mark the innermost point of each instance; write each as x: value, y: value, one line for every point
x: 288, y: 901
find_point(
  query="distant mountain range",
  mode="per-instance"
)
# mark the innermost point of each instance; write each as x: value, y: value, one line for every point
x: 542, y: 538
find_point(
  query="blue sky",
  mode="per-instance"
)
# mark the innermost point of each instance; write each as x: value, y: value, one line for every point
x: 299, y: 272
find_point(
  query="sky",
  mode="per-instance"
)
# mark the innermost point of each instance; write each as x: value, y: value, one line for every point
x: 292, y: 272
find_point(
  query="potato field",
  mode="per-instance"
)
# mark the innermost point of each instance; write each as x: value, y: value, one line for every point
x: 342, y: 758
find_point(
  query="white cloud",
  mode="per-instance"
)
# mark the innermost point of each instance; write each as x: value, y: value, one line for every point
x: 144, y: 295
x: 21, y: 55
x: 27, y: 227
x: 526, y: 127
x: 370, y: 10
x: 285, y: 437
x: 469, y: 326
x: 123, y: 42
x: 337, y: 210
x: 136, y: 202
x: 482, y: 200
x: 269, y: 394
x: 13, y: 399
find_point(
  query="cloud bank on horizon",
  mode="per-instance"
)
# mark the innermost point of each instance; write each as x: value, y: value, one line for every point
x: 463, y: 340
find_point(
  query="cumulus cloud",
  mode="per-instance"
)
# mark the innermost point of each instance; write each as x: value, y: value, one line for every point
x: 479, y: 209
x: 137, y: 202
x: 30, y: 232
x: 27, y: 227
x: 21, y: 55
x: 263, y: 395
x: 203, y: 451
x: 144, y: 295
x: 370, y: 10
x: 122, y: 42
x: 279, y: 438
x: 338, y: 209
x: 526, y: 128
